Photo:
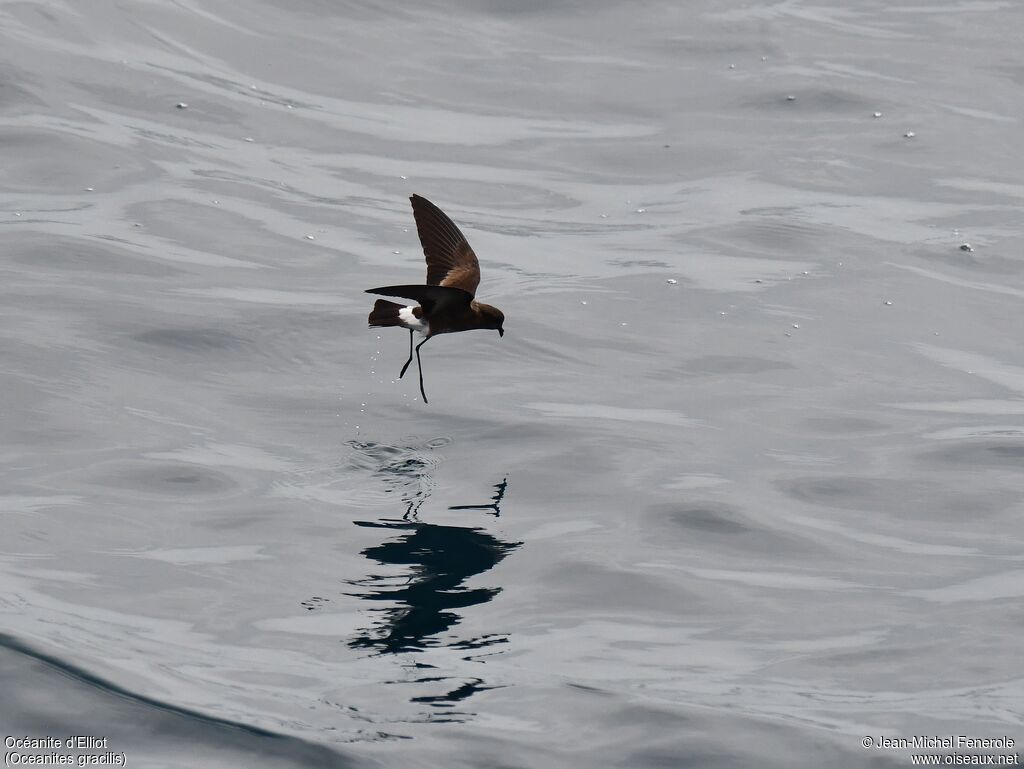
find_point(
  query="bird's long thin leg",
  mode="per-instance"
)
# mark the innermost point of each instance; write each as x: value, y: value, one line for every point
x: 419, y: 365
x: 410, y: 356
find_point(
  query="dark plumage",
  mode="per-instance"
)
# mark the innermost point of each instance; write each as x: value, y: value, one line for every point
x: 446, y: 304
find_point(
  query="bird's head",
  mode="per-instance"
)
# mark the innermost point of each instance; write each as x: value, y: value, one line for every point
x: 493, y: 318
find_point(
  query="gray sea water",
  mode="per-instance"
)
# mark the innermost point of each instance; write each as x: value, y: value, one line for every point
x: 740, y: 486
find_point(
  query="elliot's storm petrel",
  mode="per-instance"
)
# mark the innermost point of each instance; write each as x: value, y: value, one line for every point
x: 446, y: 302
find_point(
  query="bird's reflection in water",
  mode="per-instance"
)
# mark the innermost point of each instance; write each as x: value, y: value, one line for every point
x: 423, y: 598
x: 494, y: 506
x: 440, y: 559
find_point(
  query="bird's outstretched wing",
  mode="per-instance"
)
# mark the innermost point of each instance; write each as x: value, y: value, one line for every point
x: 428, y: 297
x: 450, y: 260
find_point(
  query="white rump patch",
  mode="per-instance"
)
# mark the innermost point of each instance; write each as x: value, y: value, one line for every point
x: 410, y: 321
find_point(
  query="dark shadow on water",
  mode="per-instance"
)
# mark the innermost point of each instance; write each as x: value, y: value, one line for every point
x: 417, y: 586
x: 46, y: 694
x: 439, y: 560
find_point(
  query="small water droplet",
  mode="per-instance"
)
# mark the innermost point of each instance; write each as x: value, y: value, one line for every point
x: 671, y: 281
x: 887, y: 303
x: 624, y: 323
x: 732, y: 66
x: 909, y: 135
x: 764, y: 58
x: 181, y: 105
x: 791, y: 98
x: 876, y: 114
x: 311, y: 237
x: 758, y: 280
x: 604, y: 216
x: 805, y: 272
x: 249, y: 139
x: 17, y: 213
x: 583, y: 301
x: 396, y: 253
x: 796, y: 325
x: 641, y: 210
x: 403, y: 177
x: 966, y: 247
x: 90, y: 189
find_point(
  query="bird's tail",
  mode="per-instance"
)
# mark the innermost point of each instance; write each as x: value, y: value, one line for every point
x: 385, y: 313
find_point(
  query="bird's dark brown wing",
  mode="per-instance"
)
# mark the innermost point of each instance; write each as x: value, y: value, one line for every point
x: 450, y: 260
x: 428, y: 297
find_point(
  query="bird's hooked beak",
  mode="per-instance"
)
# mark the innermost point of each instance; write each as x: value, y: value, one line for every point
x: 501, y: 332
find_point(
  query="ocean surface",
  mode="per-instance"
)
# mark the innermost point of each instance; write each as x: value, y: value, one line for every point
x: 741, y: 486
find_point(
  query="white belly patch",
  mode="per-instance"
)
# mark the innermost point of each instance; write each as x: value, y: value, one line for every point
x: 410, y: 321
